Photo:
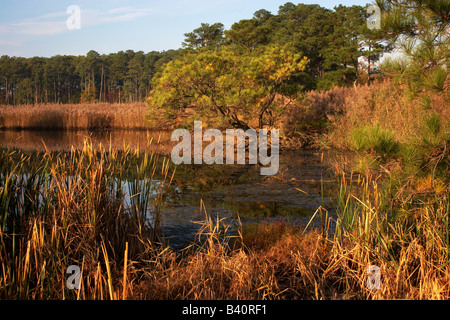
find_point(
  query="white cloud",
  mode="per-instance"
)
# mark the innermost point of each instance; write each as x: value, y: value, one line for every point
x: 95, y: 17
x: 36, y: 27
x: 55, y: 22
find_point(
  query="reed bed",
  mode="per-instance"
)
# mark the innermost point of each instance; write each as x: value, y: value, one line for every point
x: 77, y: 208
x: 87, y: 116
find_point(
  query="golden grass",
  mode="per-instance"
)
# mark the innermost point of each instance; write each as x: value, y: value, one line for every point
x: 63, y: 209
x: 266, y: 261
x: 297, y: 265
x: 74, y: 116
x: 327, y: 117
x: 390, y: 105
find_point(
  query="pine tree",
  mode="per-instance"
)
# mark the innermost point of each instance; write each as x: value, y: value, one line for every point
x: 421, y: 29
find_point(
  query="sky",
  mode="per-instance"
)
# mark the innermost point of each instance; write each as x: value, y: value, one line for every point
x: 46, y: 28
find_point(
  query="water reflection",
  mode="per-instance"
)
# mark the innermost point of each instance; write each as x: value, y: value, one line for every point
x: 63, y: 140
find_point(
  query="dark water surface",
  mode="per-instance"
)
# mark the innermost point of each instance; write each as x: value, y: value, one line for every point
x: 227, y: 191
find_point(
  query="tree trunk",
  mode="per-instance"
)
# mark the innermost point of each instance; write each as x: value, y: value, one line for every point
x: 266, y: 104
x: 35, y: 93
x: 101, y: 85
x: 54, y: 89
x: 368, y: 66
x: 232, y: 118
x: 7, y: 92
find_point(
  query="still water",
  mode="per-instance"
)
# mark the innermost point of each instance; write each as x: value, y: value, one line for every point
x: 301, y: 185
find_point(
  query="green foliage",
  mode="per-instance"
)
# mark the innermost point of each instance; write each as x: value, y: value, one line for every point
x: 332, y: 40
x: 116, y: 77
x: 237, y: 86
x: 420, y: 30
x: 373, y: 138
x: 433, y: 123
x: 336, y: 77
x: 341, y: 53
x: 251, y: 33
x: 205, y: 36
x: 436, y: 80
x: 435, y: 131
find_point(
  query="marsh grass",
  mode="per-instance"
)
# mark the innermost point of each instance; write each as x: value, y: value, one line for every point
x: 71, y: 209
x: 409, y: 244
x: 76, y: 215
x: 88, y: 116
x: 282, y: 261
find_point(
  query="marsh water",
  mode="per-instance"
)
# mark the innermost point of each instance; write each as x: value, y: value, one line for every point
x: 300, y: 187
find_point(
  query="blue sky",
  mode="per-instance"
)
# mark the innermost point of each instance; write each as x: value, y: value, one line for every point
x: 39, y: 28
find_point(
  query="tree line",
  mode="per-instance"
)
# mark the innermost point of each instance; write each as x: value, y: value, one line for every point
x: 331, y: 39
x: 340, y: 48
x: 117, y: 77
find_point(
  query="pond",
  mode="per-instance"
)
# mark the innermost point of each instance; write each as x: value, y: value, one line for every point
x: 300, y: 187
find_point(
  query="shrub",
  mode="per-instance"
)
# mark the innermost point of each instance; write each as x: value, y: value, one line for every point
x: 374, y: 139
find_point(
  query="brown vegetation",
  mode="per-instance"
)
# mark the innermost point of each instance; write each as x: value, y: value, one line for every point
x: 338, y: 110
x: 76, y: 216
x: 90, y: 116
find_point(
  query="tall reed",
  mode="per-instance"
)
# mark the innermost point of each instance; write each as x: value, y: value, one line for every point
x: 85, y: 208
x: 411, y: 247
x: 91, y: 116
x: 71, y: 209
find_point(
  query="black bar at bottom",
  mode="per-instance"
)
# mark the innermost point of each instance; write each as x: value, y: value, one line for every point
x: 221, y: 309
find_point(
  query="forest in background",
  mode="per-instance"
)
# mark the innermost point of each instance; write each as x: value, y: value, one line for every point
x: 333, y: 41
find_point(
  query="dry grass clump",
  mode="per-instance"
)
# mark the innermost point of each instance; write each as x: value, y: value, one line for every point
x: 91, y: 116
x: 327, y: 118
x: 392, y: 106
x: 75, y: 209
x: 245, y: 272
